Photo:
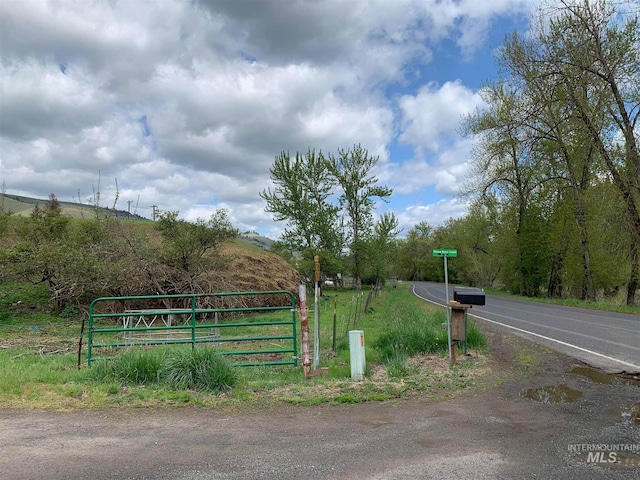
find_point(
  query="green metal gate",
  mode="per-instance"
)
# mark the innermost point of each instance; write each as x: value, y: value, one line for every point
x: 237, y: 323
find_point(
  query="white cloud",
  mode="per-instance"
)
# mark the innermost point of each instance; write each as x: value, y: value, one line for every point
x: 435, y: 214
x: 433, y: 116
x: 187, y: 103
x: 444, y: 171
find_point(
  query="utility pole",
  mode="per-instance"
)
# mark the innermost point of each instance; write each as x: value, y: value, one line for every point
x: 154, y: 211
x: 129, y: 202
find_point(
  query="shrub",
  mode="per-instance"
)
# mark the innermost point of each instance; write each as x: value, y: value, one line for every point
x: 134, y: 367
x: 198, y: 369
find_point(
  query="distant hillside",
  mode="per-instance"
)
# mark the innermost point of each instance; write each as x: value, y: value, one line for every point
x: 19, y: 205
x: 23, y: 206
x: 256, y: 239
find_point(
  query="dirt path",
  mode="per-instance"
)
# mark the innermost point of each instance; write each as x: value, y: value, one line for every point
x: 495, y: 434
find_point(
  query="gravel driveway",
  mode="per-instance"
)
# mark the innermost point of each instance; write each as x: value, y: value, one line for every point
x: 495, y: 434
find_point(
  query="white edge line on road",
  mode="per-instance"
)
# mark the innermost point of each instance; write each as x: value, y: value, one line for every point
x: 541, y: 336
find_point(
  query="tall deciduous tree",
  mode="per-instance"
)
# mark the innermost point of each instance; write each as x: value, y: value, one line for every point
x: 354, y: 171
x: 507, y: 164
x: 301, y: 197
x: 414, y: 252
x: 594, y: 57
x: 382, y: 251
x: 566, y: 110
x: 568, y: 153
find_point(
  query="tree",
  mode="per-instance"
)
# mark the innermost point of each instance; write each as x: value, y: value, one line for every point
x: 301, y: 197
x: 507, y: 165
x: 415, y: 251
x: 480, y: 260
x: 77, y: 260
x: 566, y: 109
x: 353, y: 171
x: 191, y: 247
x: 594, y: 57
x: 382, y: 249
x: 559, y: 135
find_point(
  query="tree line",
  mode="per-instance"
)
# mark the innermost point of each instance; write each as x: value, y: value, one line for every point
x: 557, y: 167
x: 554, y: 183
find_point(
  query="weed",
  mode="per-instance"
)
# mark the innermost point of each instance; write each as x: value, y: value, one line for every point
x: 197, y: 369
x: 475, y: 338
x: 397, y: 367
x: 133, y: 367
x: 346, y: 398
x: 112, y: 388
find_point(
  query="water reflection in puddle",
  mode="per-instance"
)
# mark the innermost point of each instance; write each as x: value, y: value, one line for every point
x: 630, y: 414
x: 552, y: 394
x: 602, y: 378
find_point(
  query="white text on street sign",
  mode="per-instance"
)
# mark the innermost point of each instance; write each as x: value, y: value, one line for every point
x: 445, y: 253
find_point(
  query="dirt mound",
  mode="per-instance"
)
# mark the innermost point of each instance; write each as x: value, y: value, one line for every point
x: 254, y: 270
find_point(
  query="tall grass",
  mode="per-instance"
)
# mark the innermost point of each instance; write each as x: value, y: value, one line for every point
x: 133, y: 367
x: 414, y: 331
x: 201, y: 369
x: 475, y: 338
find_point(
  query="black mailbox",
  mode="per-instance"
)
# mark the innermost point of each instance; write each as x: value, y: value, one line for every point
x: 468, y: 295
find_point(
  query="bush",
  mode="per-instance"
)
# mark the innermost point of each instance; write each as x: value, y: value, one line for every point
x: 199, y: 369
x: 180, y: 369
x: 133, y: 368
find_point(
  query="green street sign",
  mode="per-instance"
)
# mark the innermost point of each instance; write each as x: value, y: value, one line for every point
x: 445, y: 253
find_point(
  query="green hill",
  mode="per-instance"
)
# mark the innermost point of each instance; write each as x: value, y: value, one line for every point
x: 256, y: 239
x: 23, y: 206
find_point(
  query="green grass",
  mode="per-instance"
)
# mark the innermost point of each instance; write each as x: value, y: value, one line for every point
x: 602, y: 305
x: 41, y: 368
x: 134, y: 367
x: 200, y: 369
x: 26, y: 374
x: 414, y: 331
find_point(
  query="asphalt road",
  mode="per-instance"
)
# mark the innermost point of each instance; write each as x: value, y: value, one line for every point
x: 606, y: 340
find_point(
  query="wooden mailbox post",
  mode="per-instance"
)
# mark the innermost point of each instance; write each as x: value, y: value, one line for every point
x: 458, y: 326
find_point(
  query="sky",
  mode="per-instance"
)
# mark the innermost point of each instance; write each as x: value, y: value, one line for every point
x: 184, y: 104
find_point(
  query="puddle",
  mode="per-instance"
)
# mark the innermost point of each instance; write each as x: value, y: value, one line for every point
x: 552, y: 394
x: 630, y: 414
x: 602, y: 378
